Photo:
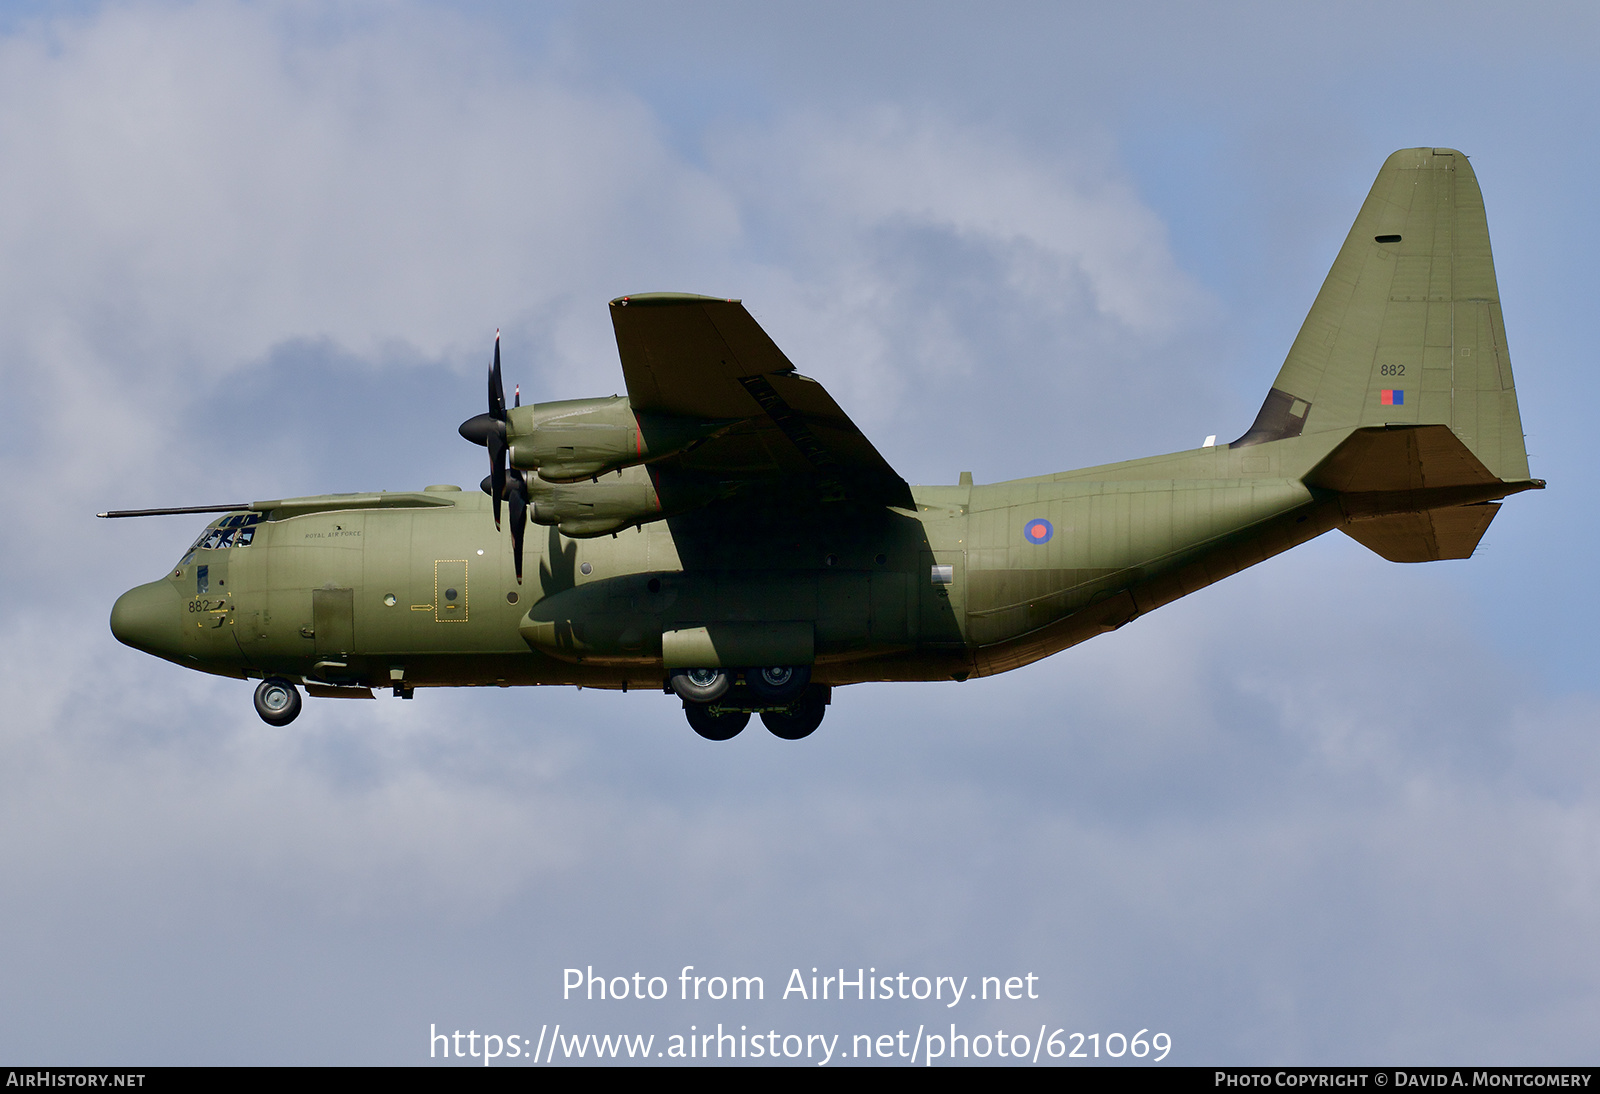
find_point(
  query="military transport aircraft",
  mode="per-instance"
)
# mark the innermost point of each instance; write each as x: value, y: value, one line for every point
x: 725, y: 533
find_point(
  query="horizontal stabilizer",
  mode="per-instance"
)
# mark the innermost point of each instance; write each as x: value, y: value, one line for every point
x: 1427, y: 536
x: 1413, y: 493
x: 1387, y: 459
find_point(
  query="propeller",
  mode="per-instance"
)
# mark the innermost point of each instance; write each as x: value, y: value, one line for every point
x: 510, y: 484
x: 518, y: 496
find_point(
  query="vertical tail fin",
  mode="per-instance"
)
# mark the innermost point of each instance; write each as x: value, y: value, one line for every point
x: 1407, y: 327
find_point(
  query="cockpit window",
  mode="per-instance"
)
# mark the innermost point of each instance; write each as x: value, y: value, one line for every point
x: 235, y: 530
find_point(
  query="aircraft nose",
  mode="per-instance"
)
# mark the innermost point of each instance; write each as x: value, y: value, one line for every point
x: 146, y: 618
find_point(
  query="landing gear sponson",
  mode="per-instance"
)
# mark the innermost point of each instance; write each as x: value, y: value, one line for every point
x: 718, y: 706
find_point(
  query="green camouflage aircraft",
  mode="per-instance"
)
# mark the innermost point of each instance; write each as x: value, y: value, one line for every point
x: 726, y: 533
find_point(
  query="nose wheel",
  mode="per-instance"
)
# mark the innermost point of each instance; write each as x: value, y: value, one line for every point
x: 277, y: 701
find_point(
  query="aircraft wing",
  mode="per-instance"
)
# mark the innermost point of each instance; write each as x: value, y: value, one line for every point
x: 705, y: 358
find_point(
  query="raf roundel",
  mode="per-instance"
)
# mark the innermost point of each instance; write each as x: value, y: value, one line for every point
x: 1038, y: 531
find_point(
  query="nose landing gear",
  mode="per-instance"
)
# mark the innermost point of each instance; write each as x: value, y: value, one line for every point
x: 277, y: 701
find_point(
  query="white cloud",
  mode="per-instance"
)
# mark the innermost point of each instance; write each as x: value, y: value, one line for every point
x: 211, y: 180
x: 911, y: 258
x: 1059, y: 223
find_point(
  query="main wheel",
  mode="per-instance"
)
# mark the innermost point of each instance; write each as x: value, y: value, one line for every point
x: 700, y: 685
x: 719, y: 726
x: 277, y: 701
x: 800, y: 720
x: 777, y: 683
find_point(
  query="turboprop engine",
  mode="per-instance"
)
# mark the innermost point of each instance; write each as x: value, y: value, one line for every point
x: 576, y: 439
x: 621, y: 500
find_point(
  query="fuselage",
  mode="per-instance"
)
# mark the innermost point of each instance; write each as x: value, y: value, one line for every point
x: 419, y: 590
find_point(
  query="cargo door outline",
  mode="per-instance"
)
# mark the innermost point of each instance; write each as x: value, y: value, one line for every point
x: 450, y: 577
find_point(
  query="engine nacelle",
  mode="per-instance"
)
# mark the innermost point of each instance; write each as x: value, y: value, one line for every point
x: 575, y: 439
x: 587, y: 509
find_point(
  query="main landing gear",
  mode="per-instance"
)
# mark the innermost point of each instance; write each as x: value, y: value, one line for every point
x: 277, y: 701
x: 791, y: 707
x: 713, y: 723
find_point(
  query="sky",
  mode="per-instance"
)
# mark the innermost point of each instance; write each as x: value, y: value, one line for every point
x: 1333, y: 810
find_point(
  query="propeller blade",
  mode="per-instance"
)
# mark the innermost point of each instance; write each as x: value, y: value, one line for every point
x: 497, y: 389
x: 497, y: 472
x: 519, y: 517
x: 496, y: 386
x: 495, y: 441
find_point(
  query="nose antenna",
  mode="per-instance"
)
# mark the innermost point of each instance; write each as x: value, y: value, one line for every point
x: 175, y: 512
